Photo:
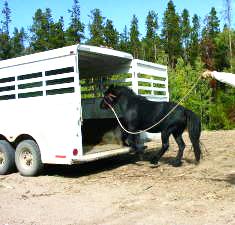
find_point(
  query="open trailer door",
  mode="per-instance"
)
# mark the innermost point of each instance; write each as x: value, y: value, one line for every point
x: 99, y: 68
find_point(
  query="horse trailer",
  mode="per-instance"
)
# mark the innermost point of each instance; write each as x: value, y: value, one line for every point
x: 50, y: 110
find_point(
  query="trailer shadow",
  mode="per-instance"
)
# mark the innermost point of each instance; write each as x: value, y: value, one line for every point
x: 99, y: 166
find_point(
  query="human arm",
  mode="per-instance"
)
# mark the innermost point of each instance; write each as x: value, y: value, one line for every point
x: 228, y: 78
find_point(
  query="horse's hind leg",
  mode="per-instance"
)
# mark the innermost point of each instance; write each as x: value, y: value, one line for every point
x: 179, y: 140
x: 165, y: 145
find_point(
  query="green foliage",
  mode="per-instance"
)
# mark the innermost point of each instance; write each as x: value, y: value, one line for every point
x: 185, y: 34
x: 46, y: 34
x: 96, y: 28
x: 6, y: 12
x: 134, y: 37
x: 111, y: 35
x: 41, y: 30
x: 17, y: 42
x: 182, y: 78
x: 75, y: 32
x: 181, y: 46
x: 124, y: 44
x: 151, y: 43
x: 222, y: 111
x: 215, y: 113
x: 194, y: 45
x: 5, y: 46
x: 209, y: 33
x: 171, y: 34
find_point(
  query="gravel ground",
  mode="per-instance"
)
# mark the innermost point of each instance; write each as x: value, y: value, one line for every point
x: 122, y: 190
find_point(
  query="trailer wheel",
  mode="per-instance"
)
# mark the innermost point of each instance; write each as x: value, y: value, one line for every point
x: 28, y: 158
x: 7, y: 157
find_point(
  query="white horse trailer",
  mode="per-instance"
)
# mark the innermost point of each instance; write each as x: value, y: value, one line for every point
x: 49, y: 104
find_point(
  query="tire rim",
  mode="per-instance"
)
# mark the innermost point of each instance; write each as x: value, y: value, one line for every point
x: 2, y: 159
x: 26, y: 158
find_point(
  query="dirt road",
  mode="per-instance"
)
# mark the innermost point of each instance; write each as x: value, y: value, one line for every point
x: 122, y: 191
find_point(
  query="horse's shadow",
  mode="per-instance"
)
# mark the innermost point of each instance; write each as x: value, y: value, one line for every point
x: 109, y: 164
x: 165, y: 159
x: 230, y: 178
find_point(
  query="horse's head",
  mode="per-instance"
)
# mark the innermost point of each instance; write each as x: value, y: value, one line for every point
x: 110, y: 98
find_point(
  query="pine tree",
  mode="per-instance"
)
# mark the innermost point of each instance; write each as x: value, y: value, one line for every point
x: 221, y: 55
x: 5, y: 42
x: 124, y: 44
x: 5, y: 46
x: 110, y: 35
x: 46, y: 34
x: 151, y: 38
x: 134, y: 37
x: 228, y: 19
x: 40, y: 30
x: 194, y: 47
x: 6, y: 12
x: 57, y: 34
x: 75, y: 31
x: 17, y: 42
x: 171, y: 34
x: 185, y: 29
x: 96, y: 28
x: 209, y: 33
x: 213, y: 23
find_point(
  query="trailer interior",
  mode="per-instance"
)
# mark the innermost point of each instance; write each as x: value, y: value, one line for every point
x: 97, y: 70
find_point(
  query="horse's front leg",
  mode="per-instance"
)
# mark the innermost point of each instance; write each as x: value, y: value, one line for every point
x: 135, y: 142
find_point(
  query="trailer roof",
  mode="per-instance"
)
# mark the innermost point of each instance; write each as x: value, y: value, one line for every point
x: 101, y: 60
x: 91, y: 59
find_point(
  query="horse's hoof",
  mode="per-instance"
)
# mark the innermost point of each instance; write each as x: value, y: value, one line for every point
x: 140, y: 156
x: 176, y: 163
x: 132, y: 151
x: 154, y: 161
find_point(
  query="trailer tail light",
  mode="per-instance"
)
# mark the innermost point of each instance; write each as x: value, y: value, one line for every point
x: 61, y: 156
x: 75, y: 152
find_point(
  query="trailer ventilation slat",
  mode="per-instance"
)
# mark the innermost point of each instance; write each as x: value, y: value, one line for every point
x: 59, y: 71
x: 29, y: 76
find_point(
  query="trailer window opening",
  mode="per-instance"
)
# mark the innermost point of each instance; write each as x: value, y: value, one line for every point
x: 60, y: 91
x: 7, y: 97
x: 30, y: 85
x: 7, y: 79
x: 59, y: 71
x: 7, y: 88
x: 30, y: 94
x: 29, y: 76
x: 60, y: 81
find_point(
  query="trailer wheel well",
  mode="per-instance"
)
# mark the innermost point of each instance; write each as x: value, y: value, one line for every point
x: 21, y: 138
x: 2, y: 137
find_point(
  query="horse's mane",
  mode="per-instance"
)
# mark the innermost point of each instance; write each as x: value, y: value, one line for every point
x: 129, y: 92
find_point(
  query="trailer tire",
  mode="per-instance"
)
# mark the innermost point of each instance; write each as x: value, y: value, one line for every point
x: 7, y: 158
x: 28, y: 158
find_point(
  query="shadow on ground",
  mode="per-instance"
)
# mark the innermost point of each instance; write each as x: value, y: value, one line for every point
x: 99, y: 166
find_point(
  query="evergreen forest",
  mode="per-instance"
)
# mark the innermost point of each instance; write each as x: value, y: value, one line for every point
x: 186, y: 43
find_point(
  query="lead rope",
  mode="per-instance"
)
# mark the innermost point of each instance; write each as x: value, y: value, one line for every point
x: 171, y: 111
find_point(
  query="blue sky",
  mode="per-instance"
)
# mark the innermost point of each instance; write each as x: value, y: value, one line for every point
x: 120, y: 11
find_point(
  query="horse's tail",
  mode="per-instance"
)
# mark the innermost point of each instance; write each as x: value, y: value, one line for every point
x: 194, y: 130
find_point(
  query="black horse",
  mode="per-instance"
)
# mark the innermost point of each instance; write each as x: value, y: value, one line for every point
x: 139, y: 113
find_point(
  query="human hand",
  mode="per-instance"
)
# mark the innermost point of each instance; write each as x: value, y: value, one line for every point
x: 207, y: 74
